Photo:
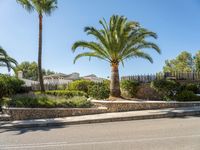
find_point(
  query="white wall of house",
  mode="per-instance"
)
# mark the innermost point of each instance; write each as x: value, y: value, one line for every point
x: 57, y: 81
x: 27, y: 82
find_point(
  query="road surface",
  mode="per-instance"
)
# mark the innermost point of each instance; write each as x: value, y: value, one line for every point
x: 157, y: 134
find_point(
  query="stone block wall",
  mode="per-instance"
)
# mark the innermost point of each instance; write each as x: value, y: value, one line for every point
x: 120, y: 106
x: 42, y: 113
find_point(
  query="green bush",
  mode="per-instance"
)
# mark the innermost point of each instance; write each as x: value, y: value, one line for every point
x: 146, y: 92
x: 79, y: 102
x: 167, y: 88
x: 192, y: 87
x: 129, y: 87
x: 99, y: 90
x: 65, y: 93
x: 62, y: 87
x: 10, y: 85
x: 3, y: 89
x: 186, y: 96
x: 43, y: 101
x: 80, y: 85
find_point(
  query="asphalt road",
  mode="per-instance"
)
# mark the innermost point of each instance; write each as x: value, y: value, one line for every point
x: 157, y: 134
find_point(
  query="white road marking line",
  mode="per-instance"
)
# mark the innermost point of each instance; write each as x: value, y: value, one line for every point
x: 58, y: 144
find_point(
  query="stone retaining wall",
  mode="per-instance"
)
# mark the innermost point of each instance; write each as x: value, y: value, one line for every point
x: 108, y: 106
x: 119, y: 106
x: 41, y: 113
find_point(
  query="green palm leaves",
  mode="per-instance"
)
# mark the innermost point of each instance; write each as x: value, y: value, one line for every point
x: 6, y: 60
x: 41, y: 6
x: 118, y: 40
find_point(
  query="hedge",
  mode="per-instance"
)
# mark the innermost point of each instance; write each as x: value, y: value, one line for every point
x: 65, y: 93
x: 10, y: 86
x: 44, y: 101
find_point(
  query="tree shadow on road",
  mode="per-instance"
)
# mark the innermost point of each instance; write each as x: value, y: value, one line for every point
x: 21, y: 130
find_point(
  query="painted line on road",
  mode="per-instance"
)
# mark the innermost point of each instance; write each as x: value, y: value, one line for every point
x: 59, y: 144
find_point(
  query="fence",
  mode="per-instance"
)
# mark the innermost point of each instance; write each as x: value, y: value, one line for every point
x: 194, y: 76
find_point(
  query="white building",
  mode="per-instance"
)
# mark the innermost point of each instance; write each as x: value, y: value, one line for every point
x: 93, y: 78
x: 60, y: 78
x: 27, y: 82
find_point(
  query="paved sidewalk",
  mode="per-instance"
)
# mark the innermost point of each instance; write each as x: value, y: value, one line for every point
x: 106, y: 117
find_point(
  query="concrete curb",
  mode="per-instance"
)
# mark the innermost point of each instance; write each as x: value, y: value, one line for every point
x: 102, y: 118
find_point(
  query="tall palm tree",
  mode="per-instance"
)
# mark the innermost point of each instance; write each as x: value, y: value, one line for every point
x: 117, y: 41
x: 41, y: 7
x: 6, y: 60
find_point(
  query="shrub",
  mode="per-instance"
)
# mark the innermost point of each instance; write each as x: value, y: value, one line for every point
x: 186, y: 96
x: 62, y: 87
x: 29, y: 100
x: 167, y: 88
x: 79, y: 102
x: 65, y: 93
x: 43, y: 101
x: 3, y: 89
x: 9, y: 85
x: 80, y: 85
x: 145, y: 91
x: 99, y: 90
x: 129, y: 88
x: 192, y: 87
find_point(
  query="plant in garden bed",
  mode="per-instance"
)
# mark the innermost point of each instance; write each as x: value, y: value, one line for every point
x: 80, y: 85
x: 191, y: 87
x: 64, y: 93
x: 186, y: 96
x: 99, y: 90
x: 168, y: 88
x: 146, y: 92
x: 172, y: 90
x: 10, y: 86
x: 44, y: 101
x: 129, y: 88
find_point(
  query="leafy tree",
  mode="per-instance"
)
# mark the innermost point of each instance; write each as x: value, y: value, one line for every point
x: 197, y: 61
x: 182, y: 63
x: 30, y: 70
x: 117, y: 40
x: 41, y: 7
x: 48, y: 72
x: 6, y: 60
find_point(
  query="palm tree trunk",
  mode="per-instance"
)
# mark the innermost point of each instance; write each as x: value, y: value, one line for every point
x: 40, y: 74
x: 114, y: 84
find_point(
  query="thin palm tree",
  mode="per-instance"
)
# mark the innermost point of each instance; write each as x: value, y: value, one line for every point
x: 41, y: 7
x: 6, y: 60
x: 117, y: 41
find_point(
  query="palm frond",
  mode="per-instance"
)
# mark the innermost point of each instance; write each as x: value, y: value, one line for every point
x: 119, y: 39
x: 89, y: 54
x: 6, y: 60
x: 41, y: 6
x: 96, y: 47
x: 150, y: 45
x: 27, y: 4
x: 103, y: 38
x: 139, y: 54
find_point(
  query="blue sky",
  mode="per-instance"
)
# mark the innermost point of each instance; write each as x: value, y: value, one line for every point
x: 177, y: 23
